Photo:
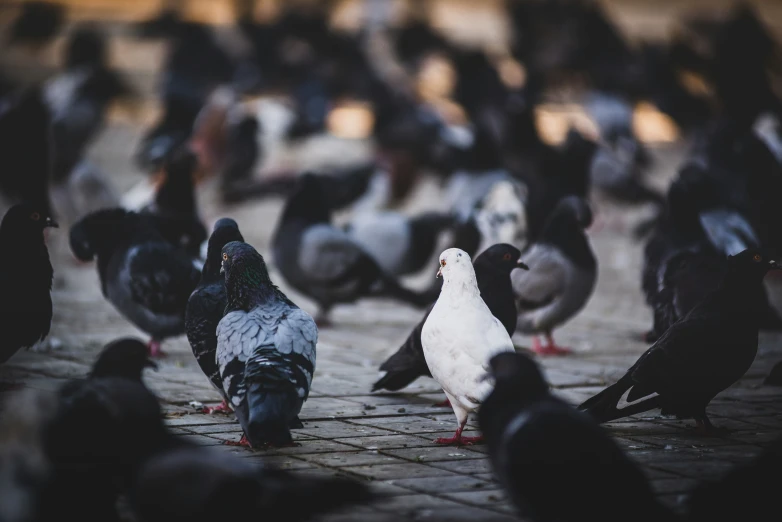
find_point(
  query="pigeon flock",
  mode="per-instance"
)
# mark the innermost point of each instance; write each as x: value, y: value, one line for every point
x: 505, y: 245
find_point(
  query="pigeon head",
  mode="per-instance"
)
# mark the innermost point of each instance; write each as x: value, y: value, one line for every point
x: 225, y: 231
x: 96, y: 231
x: 247, y: 279
x: 456, y: 267
x: 518, y: 375
x: 26, y: 220
x: 308, y: 202
x: 501, y: 257
x: 575, y: 208
x: 126, y: 357
x: 754, y: 261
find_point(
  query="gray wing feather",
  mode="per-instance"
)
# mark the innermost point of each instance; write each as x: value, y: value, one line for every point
x: 546, y: 276
x: 326, y: 253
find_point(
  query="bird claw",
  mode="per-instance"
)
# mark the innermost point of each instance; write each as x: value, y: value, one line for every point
x: 458, y: 440
x: 243, y: 442
x: 445, y: 404
x: 551, y: 349
x: 154, y: 349
x: 220, y: 408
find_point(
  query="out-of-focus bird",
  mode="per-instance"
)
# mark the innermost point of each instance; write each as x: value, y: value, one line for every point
x: 37, y: 23
x: 146, y: 278
x: 459, y: 337
x: 544, y: 451
x: 25, y: 278
x: 323, y: 262
x: 265, y: 350
x: 562, y: 274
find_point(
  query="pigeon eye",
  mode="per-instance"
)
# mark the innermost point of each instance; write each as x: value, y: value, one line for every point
x: 35, y: 216
x: 758, y: 258
x: 225, y: 257
x: 506, y: 257
x: 442, y: 262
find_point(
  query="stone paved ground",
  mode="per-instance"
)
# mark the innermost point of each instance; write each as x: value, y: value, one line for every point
x: 387, y: 438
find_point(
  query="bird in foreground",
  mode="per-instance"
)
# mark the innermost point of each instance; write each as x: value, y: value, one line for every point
x: 699, y: 356
x: 174, y: 208
x: 146, y: 278
x: 199, y: 484
x: 206, y: 306
x: 492, y: 271
x: 749, y: 491
x: 561, y: 277
x: 543, y: 450
x: 323, y: 262
x: 265, y: 350
x: 459, y: 337
x: 25, y: 278
x: 104, y: 427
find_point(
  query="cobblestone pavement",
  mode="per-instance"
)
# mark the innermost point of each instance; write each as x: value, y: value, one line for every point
x: 387, y: 438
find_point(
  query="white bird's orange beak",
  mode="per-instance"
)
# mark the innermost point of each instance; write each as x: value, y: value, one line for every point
x: 439, y: 272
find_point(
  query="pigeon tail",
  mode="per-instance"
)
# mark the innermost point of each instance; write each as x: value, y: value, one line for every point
x: 405, y: 366
x: 269, y: 413
x: 619, y: 400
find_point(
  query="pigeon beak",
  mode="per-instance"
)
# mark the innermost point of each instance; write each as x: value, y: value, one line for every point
x: 521, y: 265
x: 775, y: 265
x: 439, y: 272
x: 222, y: 269
x: 51, y: 223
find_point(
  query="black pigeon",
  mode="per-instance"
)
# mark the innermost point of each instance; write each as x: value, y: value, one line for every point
x: 699, y: 356
x: 25, y: 278
x: 265, y: 350
x: 105, y: 426
x: 323, y: 262
x: 174, y: 209
x: 199, y: 484
x: 37, y: 23
x: 242, y: 155
x: 543, y: 451
x: 774, y: 377
x: 492, y: 269
x: 749, y: 491
x: 146, y: 278
x: 207, y: 303
x: 26, y: 149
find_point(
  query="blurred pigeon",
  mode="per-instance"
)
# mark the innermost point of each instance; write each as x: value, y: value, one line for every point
x: 561, y: 277
x: 400, y: 245
x: 542, y: 450
x: 199, y: 484
x: 492, y: 271
x: 459, y: 337
x: 265, y: 350
x: 699, y: 356
x: 37, y: 23
x: 174, y: 209
x: 146, y: 278
x: 206, y: 306
x: 25, y: 278
x: 323, y: 262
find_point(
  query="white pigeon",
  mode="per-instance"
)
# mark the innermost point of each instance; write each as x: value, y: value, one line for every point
x: 459, y: 338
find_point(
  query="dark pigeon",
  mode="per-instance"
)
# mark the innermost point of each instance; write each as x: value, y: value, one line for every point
x: 265, y: 350
x: 199, y: 484
x: 562, y: 274
x: 174, y: 209
x: 749, y: 491
x: 243, y: 153
x: 699, y: 356
x: 104, y: 427
x: 323, y: 262
x: 146, y: 278
x: 25, y: 278
x: 544, y: 451
x: 492, y: 269
x: 38, y: 23
x: 207, y: 303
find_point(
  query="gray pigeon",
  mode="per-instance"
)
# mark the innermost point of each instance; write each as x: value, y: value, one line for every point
x: 561, y: 277
x: 265, y: 350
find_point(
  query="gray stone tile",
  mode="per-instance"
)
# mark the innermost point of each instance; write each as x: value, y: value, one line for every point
x: 398, y: 471
x: 435, y: 453
x: 444, y: 484
x: 343, y: 459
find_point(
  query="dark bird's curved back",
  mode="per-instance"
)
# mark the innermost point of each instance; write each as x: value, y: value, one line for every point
x: 308, y: 204
x: 565, y: 230
x: 492, y: 268
x: 225, y: 231
x: 126, y: 357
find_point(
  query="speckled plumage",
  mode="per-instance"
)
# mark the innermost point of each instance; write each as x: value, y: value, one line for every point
x: 265, y: 350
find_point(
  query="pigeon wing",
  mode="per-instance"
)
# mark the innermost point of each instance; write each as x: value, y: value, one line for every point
x: 160, y: 280
x: 328, y: 254
x: 544, y: 280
